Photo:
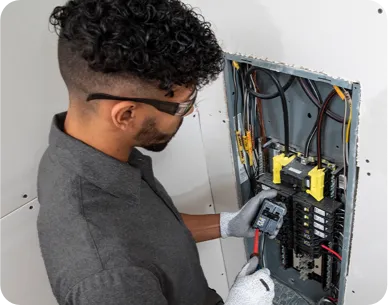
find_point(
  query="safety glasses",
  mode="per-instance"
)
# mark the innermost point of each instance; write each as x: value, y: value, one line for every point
x: 173, y: 108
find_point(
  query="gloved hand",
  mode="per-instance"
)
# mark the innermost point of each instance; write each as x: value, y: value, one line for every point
x: 239, y: 224
x: 252, y: 287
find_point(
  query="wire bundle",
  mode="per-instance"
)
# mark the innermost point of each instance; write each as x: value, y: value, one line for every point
x: 280, y: 92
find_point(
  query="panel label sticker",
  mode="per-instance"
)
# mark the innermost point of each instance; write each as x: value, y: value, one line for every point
x: 318, y: 218
x: 319, y: 226
x: 320, y: 234
x: 319, y: 211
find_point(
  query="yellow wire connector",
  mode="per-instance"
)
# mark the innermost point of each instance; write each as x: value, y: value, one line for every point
x: 236, y: 65
x: 317, y: 183
x: 248, y: 146
x: 240, y: 147
x: 278, y: 162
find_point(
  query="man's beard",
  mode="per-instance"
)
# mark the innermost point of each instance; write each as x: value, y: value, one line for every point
x: 152, y: 139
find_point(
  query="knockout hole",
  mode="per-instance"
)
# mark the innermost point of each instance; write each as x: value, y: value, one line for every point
x: 31, y: 207
x: 25, y: 196
x: 337, y: 146
x: 309, y: 115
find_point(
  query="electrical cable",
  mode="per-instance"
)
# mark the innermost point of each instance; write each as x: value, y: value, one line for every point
x: 237, y: 82
x: 319, y: 126
x: 309, y: 140
x: 266, y: 96
x: 309, y: 94
x: 260, y: 111
x: 332, y: 252
x: 314, y: 130
x: 314, y: 86
x: 333, y: 300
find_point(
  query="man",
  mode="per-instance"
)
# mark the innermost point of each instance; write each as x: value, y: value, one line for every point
x: 108, y: 231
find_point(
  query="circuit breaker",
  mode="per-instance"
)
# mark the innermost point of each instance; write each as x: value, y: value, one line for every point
x: 291, y: 131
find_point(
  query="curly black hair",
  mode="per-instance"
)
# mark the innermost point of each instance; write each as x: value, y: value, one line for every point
x: 163, y: 41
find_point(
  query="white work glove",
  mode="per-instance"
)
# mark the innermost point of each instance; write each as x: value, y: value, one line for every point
x: 252, y: 287
x: 239, y: 224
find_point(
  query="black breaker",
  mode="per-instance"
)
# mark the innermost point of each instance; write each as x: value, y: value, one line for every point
x: 307, y: 225
x: 313, y: 223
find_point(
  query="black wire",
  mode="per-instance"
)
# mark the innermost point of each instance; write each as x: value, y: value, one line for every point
x: 331, y: 114
x: 263, y: 96
x: 266, y: 96
x: 319, y: 126
x: 309, y: 139
x: 314, y: 86
x: 314, y: 129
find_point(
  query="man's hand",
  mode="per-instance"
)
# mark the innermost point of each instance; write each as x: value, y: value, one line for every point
x: 252, y: 287
x: 239, y: 224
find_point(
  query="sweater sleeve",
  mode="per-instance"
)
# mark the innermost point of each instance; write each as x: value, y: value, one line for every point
x: 130, y: 286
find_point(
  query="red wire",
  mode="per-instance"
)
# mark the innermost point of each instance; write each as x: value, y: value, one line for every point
x: 332, y: 252
x: 256, y: 242
x: 333, y: 299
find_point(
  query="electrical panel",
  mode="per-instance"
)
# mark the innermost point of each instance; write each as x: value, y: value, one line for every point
x: 291, y: 131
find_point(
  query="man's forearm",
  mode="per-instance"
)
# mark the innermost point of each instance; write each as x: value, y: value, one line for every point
x: 203, y: 227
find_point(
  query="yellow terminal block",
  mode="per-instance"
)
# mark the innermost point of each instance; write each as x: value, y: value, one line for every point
x: 277, y: 164
x: 317, y: 183
x: 240, y: 147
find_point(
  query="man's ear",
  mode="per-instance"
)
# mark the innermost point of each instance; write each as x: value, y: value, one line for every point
x: 123, y: 114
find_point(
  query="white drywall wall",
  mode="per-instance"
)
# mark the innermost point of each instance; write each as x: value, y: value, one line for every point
x: 32, y: 91
x: 343, y: 39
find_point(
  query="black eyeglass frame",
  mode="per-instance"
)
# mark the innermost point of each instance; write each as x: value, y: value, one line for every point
x: 172, y: 108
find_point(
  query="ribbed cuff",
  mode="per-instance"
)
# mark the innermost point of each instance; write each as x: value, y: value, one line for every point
x: 225, y: 219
